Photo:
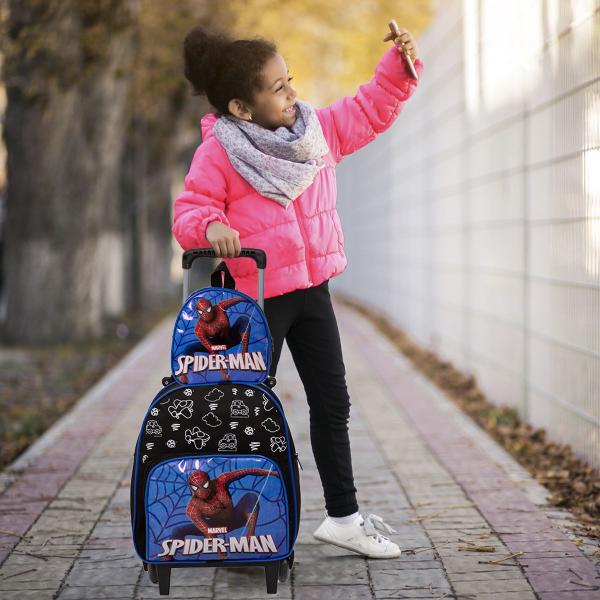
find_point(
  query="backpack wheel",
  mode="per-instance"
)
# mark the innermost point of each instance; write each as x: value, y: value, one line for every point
x: 290, y: 560
x: 271, y: 573
x: 164, y: 579
x: 152, y: 573
x: 284, y: 570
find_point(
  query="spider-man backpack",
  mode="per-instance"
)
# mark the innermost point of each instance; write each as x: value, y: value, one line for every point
x: 215, y: 478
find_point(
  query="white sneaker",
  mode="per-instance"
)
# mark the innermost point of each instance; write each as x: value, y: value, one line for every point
x: 362, y: 536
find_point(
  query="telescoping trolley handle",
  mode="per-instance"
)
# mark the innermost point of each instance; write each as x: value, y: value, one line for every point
x: 259, y: 256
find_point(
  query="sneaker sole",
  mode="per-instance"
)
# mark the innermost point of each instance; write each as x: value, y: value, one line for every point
x: 348, y: 547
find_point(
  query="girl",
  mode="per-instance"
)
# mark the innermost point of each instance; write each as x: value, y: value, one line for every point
x: 264, y: 177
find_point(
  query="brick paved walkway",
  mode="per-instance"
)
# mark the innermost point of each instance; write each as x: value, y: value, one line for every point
x: 419, y: 463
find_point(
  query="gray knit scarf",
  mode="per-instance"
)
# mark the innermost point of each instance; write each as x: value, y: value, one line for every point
x: 279, y: 164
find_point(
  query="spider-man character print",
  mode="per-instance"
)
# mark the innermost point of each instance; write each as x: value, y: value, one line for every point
x: 213, y: 331
x: 211, y: 504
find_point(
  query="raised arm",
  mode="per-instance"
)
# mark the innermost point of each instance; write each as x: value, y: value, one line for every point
x: 353, y: 121
x: 225, y: 304
x: 202, y: 201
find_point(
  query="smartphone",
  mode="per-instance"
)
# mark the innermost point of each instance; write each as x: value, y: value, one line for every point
x: 394, y: 29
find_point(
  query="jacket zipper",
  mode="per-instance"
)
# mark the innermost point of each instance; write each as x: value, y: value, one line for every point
x: 304, y: 239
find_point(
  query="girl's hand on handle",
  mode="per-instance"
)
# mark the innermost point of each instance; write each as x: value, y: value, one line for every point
x: 404, y: 41
x: 224, y: 240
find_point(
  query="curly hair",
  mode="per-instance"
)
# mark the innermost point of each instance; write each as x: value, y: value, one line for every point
x: 223, y: 68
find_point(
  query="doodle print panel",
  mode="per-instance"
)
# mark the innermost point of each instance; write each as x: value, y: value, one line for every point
x: 216, y: 508
x: 213, y: 419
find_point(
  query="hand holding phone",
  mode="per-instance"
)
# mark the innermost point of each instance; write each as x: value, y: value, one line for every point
x: 395, y: 33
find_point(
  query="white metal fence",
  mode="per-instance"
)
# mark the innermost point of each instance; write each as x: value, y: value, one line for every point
x: 474, y: 221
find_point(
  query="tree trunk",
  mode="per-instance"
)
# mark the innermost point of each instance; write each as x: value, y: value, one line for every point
x: 67, y: 88
x: 146, y: 199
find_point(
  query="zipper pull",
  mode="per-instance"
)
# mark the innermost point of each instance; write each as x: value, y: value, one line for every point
x: 296, y: 455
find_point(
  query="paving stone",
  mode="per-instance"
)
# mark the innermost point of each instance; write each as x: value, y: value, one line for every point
x: 562, y: 581
x: 178, y: 593
x: 98, y: 591
x: 581, y: 595
x: 238, y: 592
x: 101, y: 576
x: 409, y: 556
x: 524, y: 595
x: 332, y: 592
x: 544, y: 565
x: 333, y: 570
x: 476, y: 576
x: 409, y: 579
x: 400, y: 565
x: 466, y: 564
x: 495, y: 586
x: 305, y: 532
x: 28, y: 595
x: 431, y: 593
x: 16, y: 584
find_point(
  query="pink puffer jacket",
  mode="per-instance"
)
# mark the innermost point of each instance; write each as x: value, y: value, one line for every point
x: 304, y: 242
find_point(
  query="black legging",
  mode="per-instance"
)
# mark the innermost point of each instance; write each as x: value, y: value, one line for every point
x: 305, y: 319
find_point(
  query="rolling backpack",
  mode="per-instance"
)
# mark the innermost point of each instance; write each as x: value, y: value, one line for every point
x: 215, y: 480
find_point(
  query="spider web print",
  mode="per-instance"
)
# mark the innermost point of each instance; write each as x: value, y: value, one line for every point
x: 168, y: 495
x: 184, y: 334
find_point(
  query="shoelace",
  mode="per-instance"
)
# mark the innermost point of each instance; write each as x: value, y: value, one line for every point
x: 372, y: 523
